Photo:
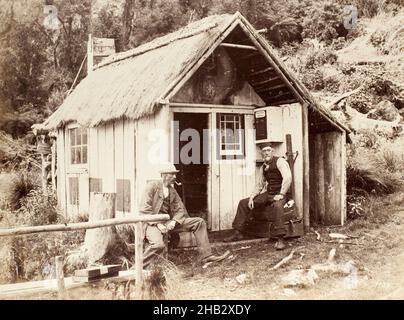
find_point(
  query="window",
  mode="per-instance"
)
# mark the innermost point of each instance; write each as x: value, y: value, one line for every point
x: 231, y: 136
x: 78, y: 145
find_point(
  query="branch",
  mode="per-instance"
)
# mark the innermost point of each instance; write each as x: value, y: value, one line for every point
x: 283, y: 261
x: 344, y: 96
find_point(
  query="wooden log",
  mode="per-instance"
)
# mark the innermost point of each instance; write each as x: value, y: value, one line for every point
x: 83, y: 225
x: 255, y: 73
x: 237, y: 46
x: 306, y: 168
x: 60, y: 277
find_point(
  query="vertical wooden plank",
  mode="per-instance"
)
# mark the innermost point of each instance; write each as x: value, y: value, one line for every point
x: 215, y: 182
x: 336, y: 136
x: 208, y: 140
x: 109, y: 159
x: 129, y: 158
x: 102, y: 165
x: 250, y: 163
x: 84, y: 193
x: 343, y: 178
x: 306, y: 168
x: 226, y: 197
x: 53, y: 165
x: 93, y: 153
x: 61, y: 171
x: 328, y: 178
x: 119, y: 166
x: 313, y: 180
x: 320, y: 189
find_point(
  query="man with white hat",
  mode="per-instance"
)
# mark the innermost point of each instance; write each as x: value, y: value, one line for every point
x: 160, y: 197
x: 273, y: 183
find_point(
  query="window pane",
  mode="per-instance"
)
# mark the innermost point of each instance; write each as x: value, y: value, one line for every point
x: 78, y: 155
x: 78, y: 138
x: 84, y: 155
x: 72, y: 156
x: 84, y: 135
x: 73, y: 137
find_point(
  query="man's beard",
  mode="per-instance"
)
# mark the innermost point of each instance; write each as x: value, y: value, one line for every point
x: 267, y: 159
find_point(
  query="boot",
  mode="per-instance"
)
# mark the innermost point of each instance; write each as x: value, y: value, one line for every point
x: 280, y: 244
x: 236, y: 236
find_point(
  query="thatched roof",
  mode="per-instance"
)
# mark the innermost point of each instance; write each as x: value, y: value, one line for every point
x: 131, y: 84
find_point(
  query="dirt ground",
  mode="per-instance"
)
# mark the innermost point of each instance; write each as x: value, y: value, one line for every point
x: 377, y: 251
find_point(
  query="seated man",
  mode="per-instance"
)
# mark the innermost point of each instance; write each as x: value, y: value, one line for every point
x: 160, y: 197
x: 276, y: 176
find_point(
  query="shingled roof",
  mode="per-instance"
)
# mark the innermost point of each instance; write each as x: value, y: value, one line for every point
x: 132, y: 84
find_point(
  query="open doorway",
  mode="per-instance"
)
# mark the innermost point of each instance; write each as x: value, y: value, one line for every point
x: 193, y: 173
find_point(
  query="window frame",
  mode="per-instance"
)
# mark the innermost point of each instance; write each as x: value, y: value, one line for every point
x: 71, y: 128
x: 236, y: 153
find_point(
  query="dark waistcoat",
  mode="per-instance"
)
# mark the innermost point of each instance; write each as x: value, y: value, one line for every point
x: 273, y: 177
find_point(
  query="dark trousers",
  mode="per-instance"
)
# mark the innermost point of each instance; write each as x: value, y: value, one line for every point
x: 260, y: 202
x: 156, y: 244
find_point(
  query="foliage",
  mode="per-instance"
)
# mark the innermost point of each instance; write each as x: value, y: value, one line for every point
x: 18, y: 154
x: 375, y: 165
x: 21, y: 187
x: 31, y: 257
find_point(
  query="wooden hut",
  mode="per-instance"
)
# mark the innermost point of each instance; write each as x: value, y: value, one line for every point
x: 214, y: 74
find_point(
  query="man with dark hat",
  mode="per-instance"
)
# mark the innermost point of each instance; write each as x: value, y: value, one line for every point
x: 273, y: 183
x: 160, y: 197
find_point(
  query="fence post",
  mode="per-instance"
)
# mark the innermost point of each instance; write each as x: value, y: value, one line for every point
x: 60, y: 277
x: 139, y: 237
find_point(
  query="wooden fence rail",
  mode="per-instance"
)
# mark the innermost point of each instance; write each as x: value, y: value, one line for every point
x: 138, y: 220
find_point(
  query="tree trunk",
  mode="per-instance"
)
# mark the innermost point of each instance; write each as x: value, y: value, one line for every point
x: 98, y: 241
x: 101, y: 244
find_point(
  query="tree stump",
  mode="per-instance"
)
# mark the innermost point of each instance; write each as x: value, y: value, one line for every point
x: 101, y: 243
x: 98, y: 241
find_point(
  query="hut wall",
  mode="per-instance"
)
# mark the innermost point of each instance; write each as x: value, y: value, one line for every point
x: 111, y: 162
x: 152, y: 147
x: 327, y: 178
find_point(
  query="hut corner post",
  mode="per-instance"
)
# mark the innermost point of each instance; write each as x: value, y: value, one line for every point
x: 306, y: 168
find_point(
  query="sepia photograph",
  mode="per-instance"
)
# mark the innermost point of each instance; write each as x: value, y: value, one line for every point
x: 199, y: 150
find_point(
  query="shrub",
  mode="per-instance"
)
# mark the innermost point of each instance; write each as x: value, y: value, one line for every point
x: 313, y: 79
x: 320, y: 56
x: 375, y: 165
x: 31, y: 257
x: 21, y: 186
x: 38, y: 208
